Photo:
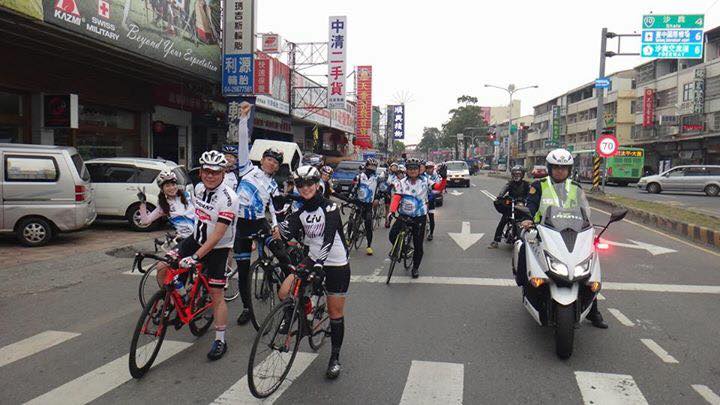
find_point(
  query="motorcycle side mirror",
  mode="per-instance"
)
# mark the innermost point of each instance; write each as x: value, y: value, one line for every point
x: 618, y: 215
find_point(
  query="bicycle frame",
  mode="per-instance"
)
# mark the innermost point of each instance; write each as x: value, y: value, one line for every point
x: 185, y: 311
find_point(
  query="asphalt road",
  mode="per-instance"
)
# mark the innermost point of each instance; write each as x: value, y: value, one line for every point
x: 457, y: 334
x: 699, y: 202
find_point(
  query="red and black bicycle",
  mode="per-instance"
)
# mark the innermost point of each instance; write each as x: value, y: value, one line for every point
x: 194, y: 310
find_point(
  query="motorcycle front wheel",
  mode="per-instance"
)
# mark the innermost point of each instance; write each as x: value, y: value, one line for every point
x: 564, y: 330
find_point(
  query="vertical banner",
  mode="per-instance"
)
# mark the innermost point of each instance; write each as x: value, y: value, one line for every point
x: 238, y: 48
x: 485, y: 113
x: 337, y: 41
x: 398, y: 122
x: 261, y: 76
x: 240, y: 107
x: 648, y: 108
x: 555, y: 125
x: 699, y: 91
x: 363, y: 89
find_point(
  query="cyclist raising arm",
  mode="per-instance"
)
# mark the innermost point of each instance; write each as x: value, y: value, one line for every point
x: 173, y: 203
x: 410, y: 200
x: 319, y: 220
x: 214, y: 232
x: 256, y: 192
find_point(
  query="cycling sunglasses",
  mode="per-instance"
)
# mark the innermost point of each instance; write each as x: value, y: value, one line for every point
x: 304, y: 183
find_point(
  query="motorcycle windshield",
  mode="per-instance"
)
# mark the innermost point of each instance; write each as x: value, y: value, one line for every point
x: 566, y: 219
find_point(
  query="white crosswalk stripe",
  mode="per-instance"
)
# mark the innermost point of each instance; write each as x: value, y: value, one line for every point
x: 621, y: 317
x: 32, y: 345
x: 239, y: 393
x: 102, y: 380
x: 704, y: 391
x: 431, y: 382
x: 659, y: 351
x: 608, y: 389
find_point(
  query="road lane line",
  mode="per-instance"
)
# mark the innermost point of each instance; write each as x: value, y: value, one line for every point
x: 488, y: 195
x: 239, y: 393
x: 102, y: 380
x: 621, y: 317
x: 32, y: 345
x: 432, y: 382
x: 602, y: 388
x: 659, y: 351
x: 508, y: 282
x: 664, y: 234
x: 705, y: 392
x: 377, y: 271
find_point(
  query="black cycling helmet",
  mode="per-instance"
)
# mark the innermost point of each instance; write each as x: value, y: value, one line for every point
x: 275, y: 154
x: 413, y: 163
x: 230, y: 150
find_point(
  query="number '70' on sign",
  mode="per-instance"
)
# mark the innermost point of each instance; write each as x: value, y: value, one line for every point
x: 607, y: 146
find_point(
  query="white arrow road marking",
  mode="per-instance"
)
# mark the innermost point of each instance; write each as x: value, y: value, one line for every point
x: 456, y: 193
x: 465, y: 239
x: 711, y: 397
x: 601, y: 388
x: 652, y: 249
x: 659, y: 351
x: 473, y: 184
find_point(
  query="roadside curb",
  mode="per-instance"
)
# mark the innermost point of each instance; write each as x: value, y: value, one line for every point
x: 695, y: 233
x: 698, y: 234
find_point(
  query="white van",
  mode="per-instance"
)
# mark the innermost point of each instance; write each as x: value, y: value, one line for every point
x: 292, y: 156
x: 43, y: 190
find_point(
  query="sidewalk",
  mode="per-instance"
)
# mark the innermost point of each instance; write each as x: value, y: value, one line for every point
x: 99, y: 237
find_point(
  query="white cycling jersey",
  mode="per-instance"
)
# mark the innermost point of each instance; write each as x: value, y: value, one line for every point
x: 366, y: 187
x: 231, y: 180
x: 213, y: 206
x: 414, y: 196
x: 256, y: 189
x: 181, y: 216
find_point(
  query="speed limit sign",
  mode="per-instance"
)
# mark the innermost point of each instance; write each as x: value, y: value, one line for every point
x: 607, y: 146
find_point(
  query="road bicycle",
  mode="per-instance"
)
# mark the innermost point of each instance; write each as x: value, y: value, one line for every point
x: 191, y: 309
x: 148, y: 282
x: 303, y: 313
x: 266, y: 276
x: 354, y: 227
x: 402, y: 248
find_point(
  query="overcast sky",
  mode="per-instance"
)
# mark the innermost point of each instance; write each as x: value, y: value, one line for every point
x: 437, y: 51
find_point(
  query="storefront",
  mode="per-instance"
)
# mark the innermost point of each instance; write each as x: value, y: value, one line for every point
x: 14, y: 117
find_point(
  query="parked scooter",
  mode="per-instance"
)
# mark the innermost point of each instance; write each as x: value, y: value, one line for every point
x: 563, y: 270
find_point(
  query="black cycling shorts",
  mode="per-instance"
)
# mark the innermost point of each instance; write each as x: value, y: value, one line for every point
x: 337, y: 278
x: 213, y: 263
x: 245, y: 229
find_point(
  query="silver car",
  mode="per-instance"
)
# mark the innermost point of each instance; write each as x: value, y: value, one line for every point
x: 44, y: 190
x: 696, y: 178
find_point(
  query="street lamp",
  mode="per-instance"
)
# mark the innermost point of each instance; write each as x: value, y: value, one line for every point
x: 510, y: 91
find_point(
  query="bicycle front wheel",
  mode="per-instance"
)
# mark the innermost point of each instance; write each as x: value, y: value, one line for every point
x: 263, y: 292
x: 320, y: 327
x: 148, y: 285
x: 395, y: 255
x: 274, y: 350
x: 149, y: 334
x: 232, y: 283
x: 408, y: 251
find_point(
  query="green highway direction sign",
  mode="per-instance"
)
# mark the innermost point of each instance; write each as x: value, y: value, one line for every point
x: 673, y: 36
x: 686, y: 21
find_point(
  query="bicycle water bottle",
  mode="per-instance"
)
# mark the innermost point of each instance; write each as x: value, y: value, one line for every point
x: 180, y: 288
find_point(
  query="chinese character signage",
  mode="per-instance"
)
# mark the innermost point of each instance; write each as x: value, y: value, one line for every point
x: 363, y: 89
x: 261, y: 77
x: 398, y: 122
x: 556, y: 124
x: 337, y: 44
x: 276, y: 94
x: 648, y: 108
x: 238, y: 48
x: 699, y: 91
x: 673, y: 36
x: 181, y: 33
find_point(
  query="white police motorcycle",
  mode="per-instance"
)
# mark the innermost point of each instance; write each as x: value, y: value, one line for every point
x: 563, y: 270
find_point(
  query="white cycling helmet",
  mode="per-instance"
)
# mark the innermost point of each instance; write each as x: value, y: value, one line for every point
x: 165, y: 177
x: 560, y: 157
x: 213, y: 160
x: 430, y: 163
x: 306, y: 174
x: 402, y: 168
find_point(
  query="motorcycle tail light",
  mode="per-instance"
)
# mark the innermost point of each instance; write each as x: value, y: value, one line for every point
x: 536, y: 282
x: 602, y: 246
x: 595, y: 286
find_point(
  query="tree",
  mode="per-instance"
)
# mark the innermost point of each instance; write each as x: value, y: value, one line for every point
x: 430, y: 139
x: 398, y: 147
x: 466, y: 119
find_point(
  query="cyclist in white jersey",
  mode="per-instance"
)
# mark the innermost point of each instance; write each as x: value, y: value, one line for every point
x: 411, y: 201
x: 257, y: 191
x: 366, y: 184
x: 320, y: 223
x: 433, y: 178
x: 216, y: 210
x: 174, y: 203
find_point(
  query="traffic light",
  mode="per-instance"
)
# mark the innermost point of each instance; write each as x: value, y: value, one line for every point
x: 492, y: 137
